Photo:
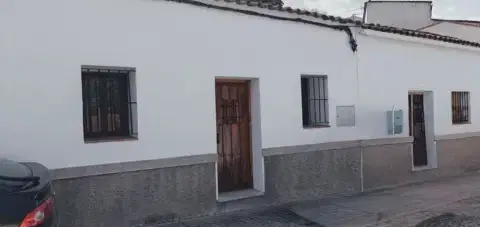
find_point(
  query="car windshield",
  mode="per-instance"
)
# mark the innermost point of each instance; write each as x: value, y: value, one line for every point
x: 9, y: 168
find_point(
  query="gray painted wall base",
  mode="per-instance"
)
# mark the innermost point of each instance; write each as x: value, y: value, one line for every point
x: 128, y: 194
x: 387, y: 166
x: 312, y: 175
x: 137, y: 198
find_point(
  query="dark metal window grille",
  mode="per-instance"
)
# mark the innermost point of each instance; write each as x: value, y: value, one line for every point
x: 314, y: 101
x: 107, y: 104
x: 460, y: 107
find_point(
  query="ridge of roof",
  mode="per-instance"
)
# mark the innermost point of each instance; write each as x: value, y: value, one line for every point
x: 259, y: 4
x: 344, y: 23
x: 472, y: 23
x: 266, y: 10
x: 420, y: 34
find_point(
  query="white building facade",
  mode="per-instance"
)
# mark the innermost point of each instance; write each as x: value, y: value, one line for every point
x: 197, y: 80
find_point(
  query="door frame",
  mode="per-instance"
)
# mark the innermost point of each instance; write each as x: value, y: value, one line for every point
x: 257, y: 160
x: 429, y: 120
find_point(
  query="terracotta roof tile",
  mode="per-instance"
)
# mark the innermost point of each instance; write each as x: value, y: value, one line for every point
x: 275, y: 6
x: 463, y: 22
x: 420, y: 34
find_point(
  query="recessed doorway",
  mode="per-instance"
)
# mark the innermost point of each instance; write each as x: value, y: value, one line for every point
x: 417, y: 128
x: 234, y: 145
x: 422, y: 129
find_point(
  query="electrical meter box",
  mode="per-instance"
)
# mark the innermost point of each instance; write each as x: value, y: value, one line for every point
x: 395, y: 122
x: 346, y: 116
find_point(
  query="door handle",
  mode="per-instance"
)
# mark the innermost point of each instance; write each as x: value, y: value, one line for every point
x: 218, y: 138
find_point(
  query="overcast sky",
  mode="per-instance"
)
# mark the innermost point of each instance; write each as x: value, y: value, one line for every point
x: 447, y: 9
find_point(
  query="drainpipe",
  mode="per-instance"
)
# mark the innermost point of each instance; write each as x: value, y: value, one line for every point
x: 358, y: 101
x: 393, y: 120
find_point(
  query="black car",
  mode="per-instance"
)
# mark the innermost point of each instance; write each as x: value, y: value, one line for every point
x: 26, y: 195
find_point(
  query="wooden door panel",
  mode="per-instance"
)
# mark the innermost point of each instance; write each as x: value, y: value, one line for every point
x: 233, y: 136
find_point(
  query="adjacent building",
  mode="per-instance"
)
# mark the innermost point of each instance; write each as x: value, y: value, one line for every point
x: 417, y: 15
x: 149, y: 111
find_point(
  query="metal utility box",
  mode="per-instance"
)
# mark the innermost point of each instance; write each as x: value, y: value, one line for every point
x: 346, y: 116
x: 395, y: 122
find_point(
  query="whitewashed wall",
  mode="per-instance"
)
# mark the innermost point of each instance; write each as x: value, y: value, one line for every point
x: 178, y: 50
x: 465, y: 32
x: 390, y: 68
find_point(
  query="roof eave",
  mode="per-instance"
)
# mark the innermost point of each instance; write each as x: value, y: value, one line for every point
x: 271, y: 11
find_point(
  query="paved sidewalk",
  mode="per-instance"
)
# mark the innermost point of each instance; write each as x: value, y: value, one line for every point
x: 282, y: 217
x: 400, y: 207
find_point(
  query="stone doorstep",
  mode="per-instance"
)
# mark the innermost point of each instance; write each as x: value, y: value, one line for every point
x: 238, y: 195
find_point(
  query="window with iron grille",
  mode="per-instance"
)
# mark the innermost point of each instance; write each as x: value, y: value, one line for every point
x: 109, y: 110
x: 460, y: 107
x: 314, y: 101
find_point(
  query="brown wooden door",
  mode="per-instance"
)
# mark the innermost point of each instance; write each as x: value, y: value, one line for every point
x: 233, y: 135
x: 417, y: 129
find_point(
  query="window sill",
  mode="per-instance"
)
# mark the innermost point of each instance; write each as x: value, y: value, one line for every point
x: 110, y: 139
x: 316, y: 126
x: 462, y: 123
